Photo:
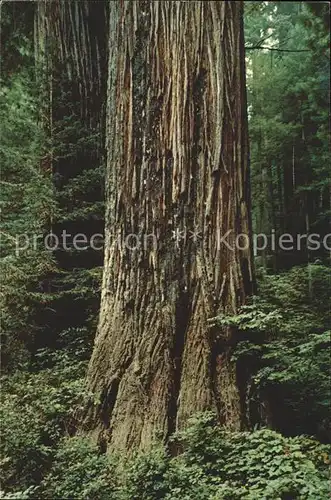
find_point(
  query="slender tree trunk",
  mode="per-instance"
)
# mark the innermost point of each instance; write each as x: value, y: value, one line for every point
x: 177, y: 180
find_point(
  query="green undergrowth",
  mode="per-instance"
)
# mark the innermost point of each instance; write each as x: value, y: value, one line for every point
x: 213, y: 464
x: 284, y: 348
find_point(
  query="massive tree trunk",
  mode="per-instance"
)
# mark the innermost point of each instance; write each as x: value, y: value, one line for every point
x: 178, y: 180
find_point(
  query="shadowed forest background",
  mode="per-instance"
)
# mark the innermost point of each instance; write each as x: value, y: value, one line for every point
x: 57, y: 60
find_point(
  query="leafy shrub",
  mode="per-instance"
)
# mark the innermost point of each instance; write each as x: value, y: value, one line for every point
x: 35, y: 411
x: 214, y: 464
x: 284, y: 351
x: 79, y: 471
x: 145, y: 475
x: 217, y: 464
x: 260, y: 464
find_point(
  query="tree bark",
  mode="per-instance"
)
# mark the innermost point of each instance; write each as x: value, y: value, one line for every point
x: 71, y: 35
x: 178, y: 180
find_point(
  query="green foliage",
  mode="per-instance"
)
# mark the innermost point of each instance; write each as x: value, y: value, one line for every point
x: 213, y: 464
x: 26, y: 189
x: 285, y: 345
x: 145, y: 475
x: 36, y: 409
x: 81, y: 197
x: 260, y: 464
x: 33, y: 289
x: 288, y: 118
x: 16, y: 37
x: 21, y: 304
x: 27, y: 206
x: 251, y: 317
x: 303, y: 293
x: 79, y: 471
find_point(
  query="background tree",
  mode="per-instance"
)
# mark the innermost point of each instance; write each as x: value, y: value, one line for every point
x: 288, y: 81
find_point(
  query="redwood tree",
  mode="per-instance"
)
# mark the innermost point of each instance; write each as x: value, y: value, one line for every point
x: 177, y: 182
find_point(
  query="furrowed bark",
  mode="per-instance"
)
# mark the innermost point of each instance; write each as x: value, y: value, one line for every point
x: 177, y: 166
x: 70, y: 35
